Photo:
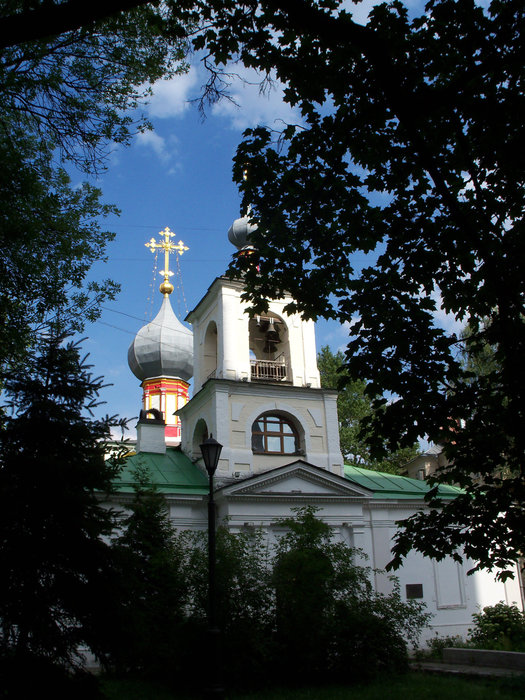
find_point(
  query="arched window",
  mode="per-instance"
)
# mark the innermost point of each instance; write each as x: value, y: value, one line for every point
x: 274, y: 434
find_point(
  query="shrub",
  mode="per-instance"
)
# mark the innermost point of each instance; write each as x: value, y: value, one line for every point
x: 303, y: 609
x: 437, y: 644
x: 499, y: 626
x: 330, y: 624
x: 245, y: 606
x: 25, y: 675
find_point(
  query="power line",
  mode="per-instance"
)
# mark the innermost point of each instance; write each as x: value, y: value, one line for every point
x: 179, y: 228
x: 189, y: 260
x: 104, y: 323
x: 123, y: 313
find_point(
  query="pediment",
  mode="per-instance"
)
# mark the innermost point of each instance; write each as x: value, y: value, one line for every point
x: 298, y: 479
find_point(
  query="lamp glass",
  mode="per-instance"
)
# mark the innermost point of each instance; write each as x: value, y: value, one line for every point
x: 211, y: 451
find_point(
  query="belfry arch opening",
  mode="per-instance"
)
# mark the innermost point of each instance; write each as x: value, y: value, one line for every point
x: 209, y: 359
x: 200, y: 434
x: 269, y: 348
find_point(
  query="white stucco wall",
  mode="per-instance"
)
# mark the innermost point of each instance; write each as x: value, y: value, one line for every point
x: 229, y: 409
x: 449, y: 593
x: 360, y: 521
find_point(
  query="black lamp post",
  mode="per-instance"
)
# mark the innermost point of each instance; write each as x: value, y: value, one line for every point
x: 211, y: 451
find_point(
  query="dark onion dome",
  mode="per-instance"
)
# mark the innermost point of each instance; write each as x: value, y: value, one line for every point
x: 239, y: 232
x: 162, y: 348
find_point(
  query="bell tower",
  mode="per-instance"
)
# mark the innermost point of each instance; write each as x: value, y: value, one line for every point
x: 269, y: 347
x: 256, y: 383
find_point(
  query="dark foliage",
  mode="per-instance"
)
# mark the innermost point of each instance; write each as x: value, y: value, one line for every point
x: 67, y: 97
x: 408, y: 147
x: 26, y: 675
x: 77, y: 89
x: 353, y: 406
x: 301, y: 607
x: 330, y: 625
x: 245, y: 604
x: 55, y: 559
x: 147, y: 621
x: 49, y: 238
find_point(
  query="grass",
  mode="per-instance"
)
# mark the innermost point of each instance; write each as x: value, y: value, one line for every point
x: 412, y: 686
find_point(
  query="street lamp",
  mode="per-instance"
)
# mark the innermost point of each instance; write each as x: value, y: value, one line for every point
x: 211, y: 451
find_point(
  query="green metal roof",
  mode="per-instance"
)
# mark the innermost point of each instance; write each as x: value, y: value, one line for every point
x: 395, y: 487
x: 171, y: 473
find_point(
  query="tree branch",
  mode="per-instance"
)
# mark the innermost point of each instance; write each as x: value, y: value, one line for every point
x: 51, y: 19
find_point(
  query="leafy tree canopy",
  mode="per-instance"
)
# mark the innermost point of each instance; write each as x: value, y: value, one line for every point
x: 50, y: 236
x: 77, y: 89
x: 353, y: 406
x: 65, y: 97
x: 408, y: 149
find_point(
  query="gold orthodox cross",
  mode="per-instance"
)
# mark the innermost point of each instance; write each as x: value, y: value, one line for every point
x: 168, y: 247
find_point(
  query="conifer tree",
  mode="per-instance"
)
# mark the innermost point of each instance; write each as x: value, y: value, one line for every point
x: 144, y: 634
x: 55, y: 556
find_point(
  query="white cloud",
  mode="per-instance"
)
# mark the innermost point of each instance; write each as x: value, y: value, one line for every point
x: 164, y: 149
x: 250, y: 105
x: 150, y: 139
x: 448, y: 322
x: 129, y: 434
x: 171, y: 97
x: 335, y: 335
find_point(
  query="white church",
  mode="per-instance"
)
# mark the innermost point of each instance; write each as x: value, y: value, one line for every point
x: 256, y: 389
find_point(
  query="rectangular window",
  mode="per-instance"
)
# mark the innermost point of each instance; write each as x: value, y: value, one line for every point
x: 448, y: 576
x: 414, y: 590
x: 289, y: 444
x: 273, y: 444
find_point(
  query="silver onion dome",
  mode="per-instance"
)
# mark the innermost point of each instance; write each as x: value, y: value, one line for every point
x: 240, y: 231
x: 162, y: 348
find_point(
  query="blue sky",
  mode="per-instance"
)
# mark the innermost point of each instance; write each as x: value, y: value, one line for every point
x: 178, y: 175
